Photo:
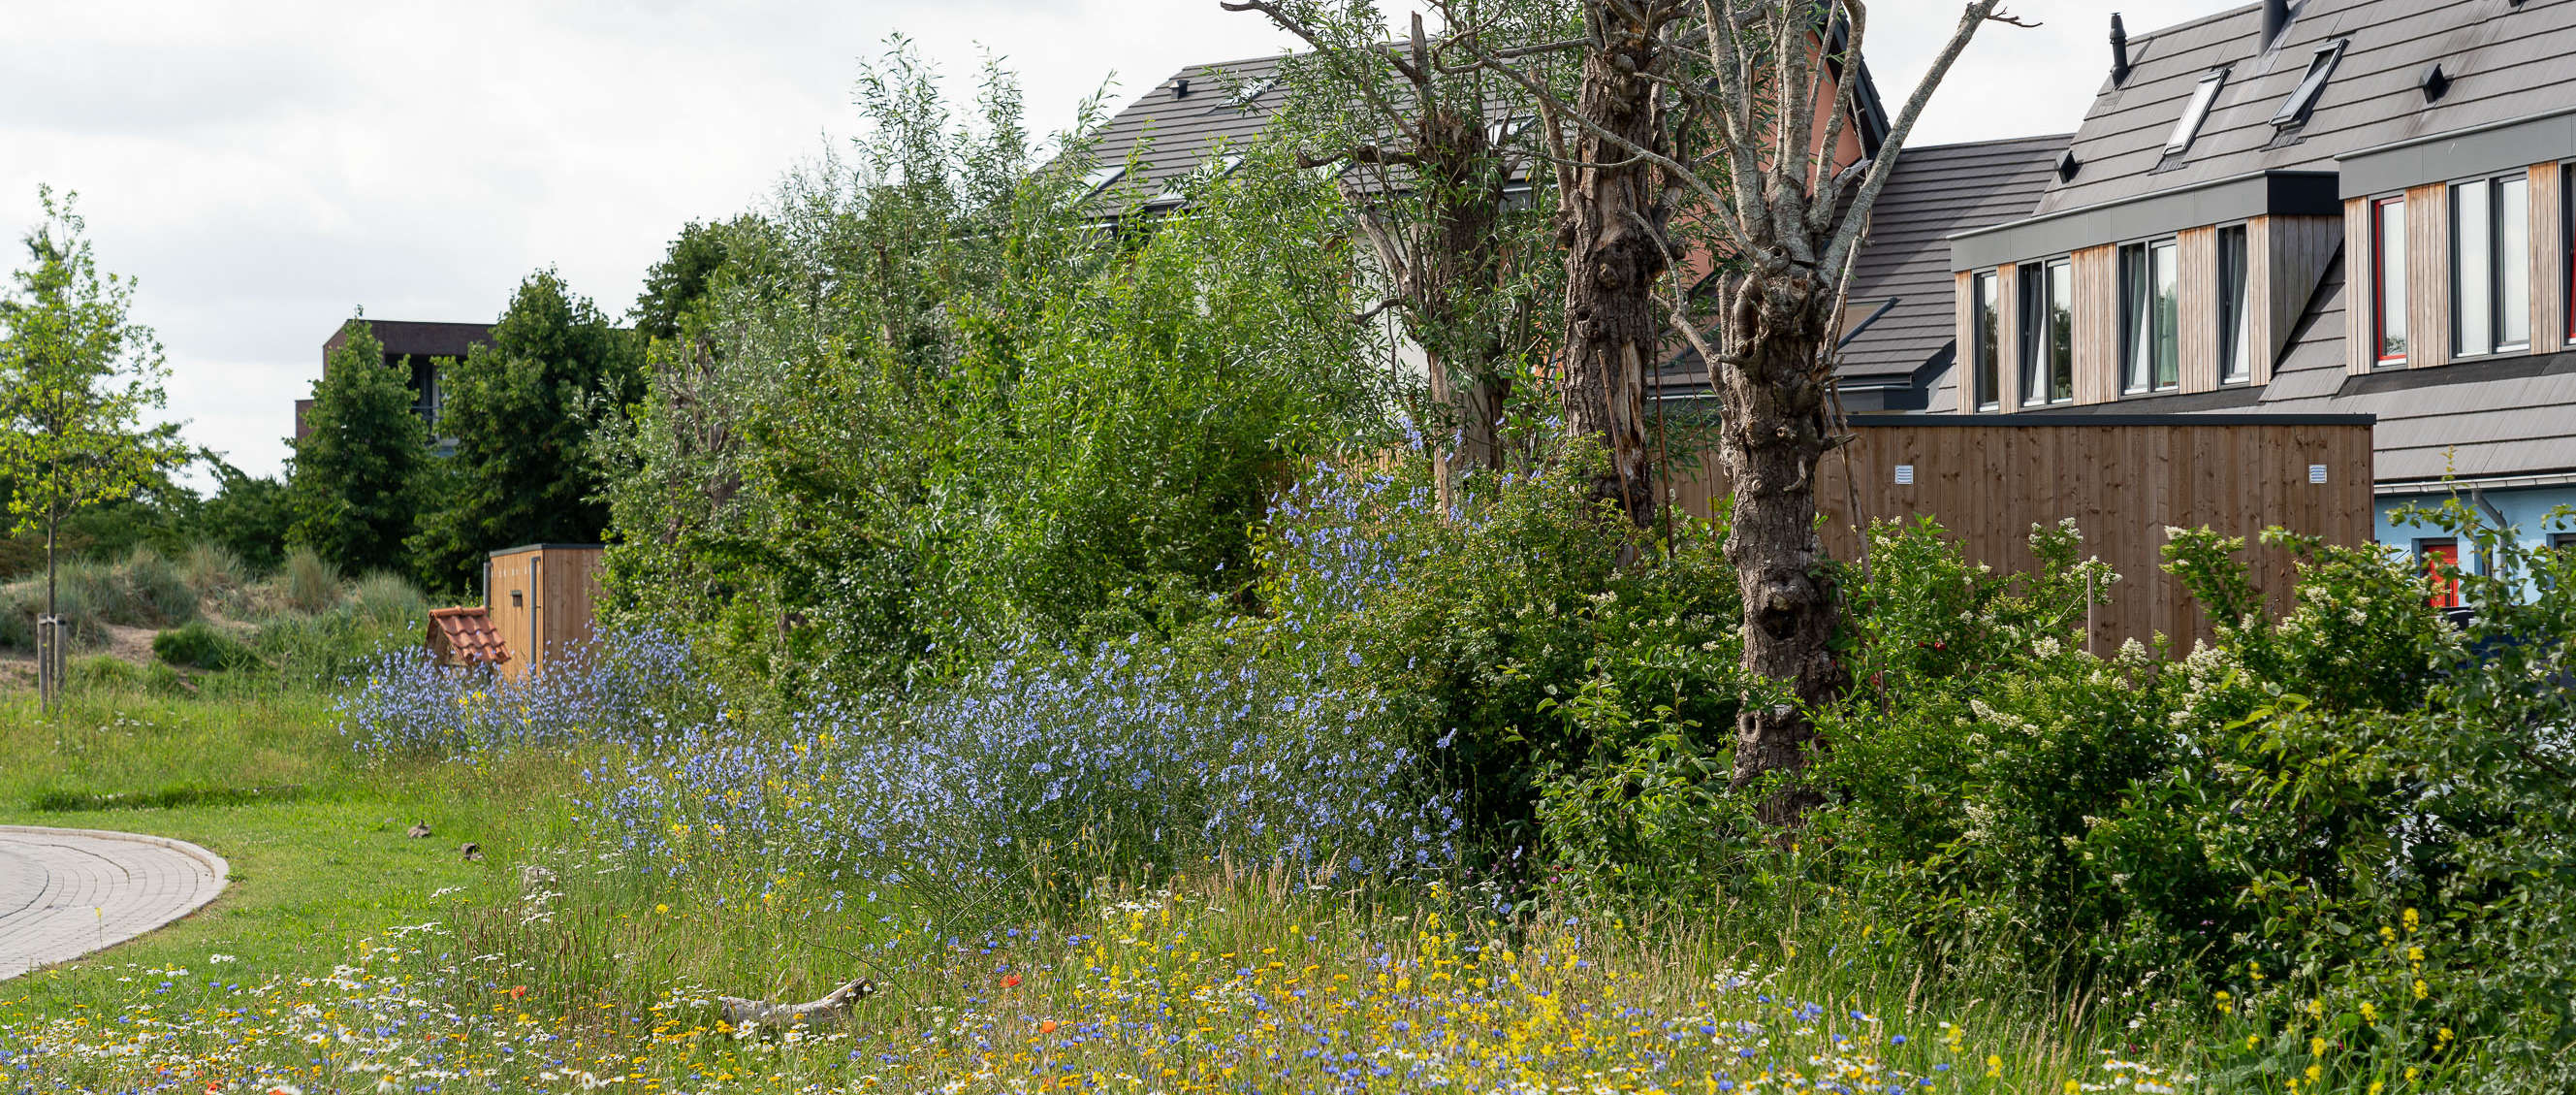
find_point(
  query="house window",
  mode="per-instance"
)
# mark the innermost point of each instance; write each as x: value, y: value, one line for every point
x: 2490, y: 265
x: 2562, y: 540
x: 2567, y: 242
x: 2061, y: 331
x: 1989, y: 341
x: 2150, y: 317
x: 2388, y: 279
x: 2437, y: 556
x: 2195, y: 112
x: 2047, y: 332
x: 2235, y: 320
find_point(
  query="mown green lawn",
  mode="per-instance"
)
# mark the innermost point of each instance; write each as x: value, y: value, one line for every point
x: 313, y: 833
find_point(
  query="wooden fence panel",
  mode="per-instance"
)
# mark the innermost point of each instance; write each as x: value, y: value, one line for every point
x: 1988, y: 480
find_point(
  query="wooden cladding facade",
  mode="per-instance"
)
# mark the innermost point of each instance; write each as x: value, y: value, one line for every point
x: 2123, y: 479
x: 2428, y: 272
x: 543, y: 599
x: 2286, y: 256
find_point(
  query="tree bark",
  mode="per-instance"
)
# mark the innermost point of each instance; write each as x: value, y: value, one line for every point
x: 1775, y: 393
x: 1611, y: 222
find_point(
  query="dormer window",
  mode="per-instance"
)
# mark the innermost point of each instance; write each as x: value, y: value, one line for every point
x: 1098, y: 179
x: 2195, y: 112
x: 2294, y: 110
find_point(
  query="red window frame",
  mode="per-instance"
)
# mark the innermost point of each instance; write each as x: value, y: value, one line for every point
x: 2379, y: 281
x: 2437, y: 554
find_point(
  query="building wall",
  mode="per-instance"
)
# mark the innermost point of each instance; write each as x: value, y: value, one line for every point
x: 2529, y: 511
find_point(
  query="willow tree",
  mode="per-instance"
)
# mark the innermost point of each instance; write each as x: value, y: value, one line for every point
x: 1718, y: 128
x: 1433, y: 152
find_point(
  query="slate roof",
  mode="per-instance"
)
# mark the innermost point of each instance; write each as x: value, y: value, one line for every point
x: 1933, y: 192
x: 1899, y: 323
x: 465, y: 636
x: 1174, y: 128
x: 402, y: 336
x: 2507, y: 61
x: 2507, y: 417
x: 1178, y: 124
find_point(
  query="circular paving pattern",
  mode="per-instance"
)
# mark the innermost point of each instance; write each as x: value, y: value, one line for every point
x: 67, y: 892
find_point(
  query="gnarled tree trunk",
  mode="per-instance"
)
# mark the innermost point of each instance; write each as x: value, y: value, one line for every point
x: 1611, y: 222
x: 1775, y: 389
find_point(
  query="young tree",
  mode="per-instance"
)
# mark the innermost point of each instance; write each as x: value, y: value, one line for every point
x: 76, y: 376
x: 1426, y: 145
x: 358, y: 472
x: 522, y: 409
x: 1731, y: 117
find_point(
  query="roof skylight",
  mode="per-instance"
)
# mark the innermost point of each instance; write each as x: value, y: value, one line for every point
x: 2294, y: 110
x: 2195, y: 112
x: 1098, y: 179
x: 1253, y: 91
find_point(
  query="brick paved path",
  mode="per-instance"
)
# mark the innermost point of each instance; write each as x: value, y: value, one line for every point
x: 67, y: 892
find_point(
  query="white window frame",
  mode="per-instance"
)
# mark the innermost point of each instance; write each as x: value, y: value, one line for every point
x: 2496, y: 272
x: 2137, y: 378
x: 2235, y: 346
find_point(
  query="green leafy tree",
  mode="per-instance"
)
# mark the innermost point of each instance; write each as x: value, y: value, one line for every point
x: 76, y: 376
x: 522, y: 410
x: 941, y: 395
x: 359, y: 468
x: 250, y: 515
x: 677, y: 283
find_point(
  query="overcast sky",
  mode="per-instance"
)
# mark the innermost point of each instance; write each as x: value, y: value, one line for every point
x: 267, y: 168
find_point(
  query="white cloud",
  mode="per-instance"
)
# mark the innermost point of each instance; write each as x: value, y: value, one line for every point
x: 266, y: 168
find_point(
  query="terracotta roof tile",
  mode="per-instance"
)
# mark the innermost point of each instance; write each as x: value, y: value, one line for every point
x: 465, y: 636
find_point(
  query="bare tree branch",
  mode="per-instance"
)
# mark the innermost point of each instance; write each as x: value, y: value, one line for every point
x: 1848, y: 236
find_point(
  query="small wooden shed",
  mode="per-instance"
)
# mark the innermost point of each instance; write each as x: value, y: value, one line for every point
x: 2124, y: 478
x: 542, y: 599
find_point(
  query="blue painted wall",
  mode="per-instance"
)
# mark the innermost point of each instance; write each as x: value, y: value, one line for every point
x: 2526, y: 510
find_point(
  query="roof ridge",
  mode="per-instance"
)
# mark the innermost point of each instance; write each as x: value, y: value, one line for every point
x: 2039, y: 138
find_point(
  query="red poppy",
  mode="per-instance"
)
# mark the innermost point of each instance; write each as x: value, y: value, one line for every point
x: 518, y: 992
x: 1047, y: 1027
x: 1011, y: 982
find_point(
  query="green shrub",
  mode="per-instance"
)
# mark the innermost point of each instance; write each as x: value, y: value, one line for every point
x: 200, y: 645
x: 103, y: 673
x: 1514, y: 644
x: 311, y: 583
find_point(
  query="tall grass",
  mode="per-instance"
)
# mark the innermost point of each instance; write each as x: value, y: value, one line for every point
x: 311, y: 583
x: 383, y: 597
x: 213, y: 572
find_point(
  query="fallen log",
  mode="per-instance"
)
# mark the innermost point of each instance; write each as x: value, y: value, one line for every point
x: 776, y: 1016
